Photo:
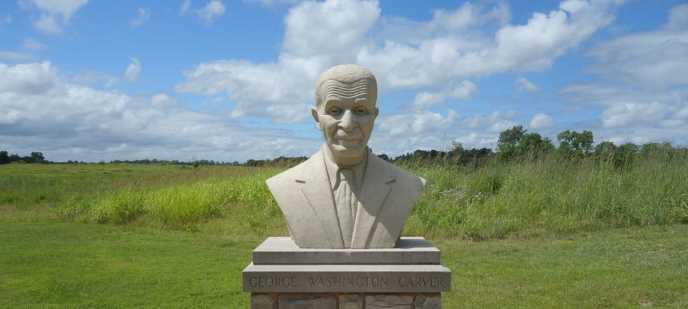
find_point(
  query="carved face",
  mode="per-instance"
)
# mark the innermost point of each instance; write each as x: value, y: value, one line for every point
x: 346, y: 116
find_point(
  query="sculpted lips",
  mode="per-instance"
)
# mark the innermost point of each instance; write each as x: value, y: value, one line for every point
x: 346, y: 139
x: 348, y: 142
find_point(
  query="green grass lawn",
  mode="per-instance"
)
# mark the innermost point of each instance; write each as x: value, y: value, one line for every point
x: 530, y: 235
x: 72, y: 265
x: 618, y: 268
x: 67, y: 265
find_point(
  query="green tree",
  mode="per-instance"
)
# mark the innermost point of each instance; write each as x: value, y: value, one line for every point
x: 625, y: 154
x: 456, y: 153
x: 533, y: 146
x: 15, y: 158
x: 508, y: 141
x: 661, y: 151
x: 37, y: 157
x: 4, y: 157
x: 518, y: 143
x: 605, y: 149
x: 575, y: 144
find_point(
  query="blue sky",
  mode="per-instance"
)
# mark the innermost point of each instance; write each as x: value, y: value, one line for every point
x: 233, y: 80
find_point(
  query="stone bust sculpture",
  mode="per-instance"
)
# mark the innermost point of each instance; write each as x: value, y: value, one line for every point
x: 344, y: 196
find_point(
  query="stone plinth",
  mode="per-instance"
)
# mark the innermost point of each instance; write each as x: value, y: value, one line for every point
x: 285, y: 276
x: 283, y: 251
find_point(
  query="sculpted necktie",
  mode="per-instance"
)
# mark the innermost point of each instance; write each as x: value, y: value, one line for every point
x: 346, y: 205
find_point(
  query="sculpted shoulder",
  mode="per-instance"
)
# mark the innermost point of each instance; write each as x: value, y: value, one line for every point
x: 298, y: 192
x: 401, y: 176
x: 286, y: 177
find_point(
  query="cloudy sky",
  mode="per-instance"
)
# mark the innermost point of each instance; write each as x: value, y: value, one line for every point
x: 232, y: 80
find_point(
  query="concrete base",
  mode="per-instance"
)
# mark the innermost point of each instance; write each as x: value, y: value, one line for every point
x: 283, y: 250
x: 346, y: 278
x: 346, y: 301
x: 285, y: 276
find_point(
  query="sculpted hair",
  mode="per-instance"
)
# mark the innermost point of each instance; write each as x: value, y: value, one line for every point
x: 356, y: 80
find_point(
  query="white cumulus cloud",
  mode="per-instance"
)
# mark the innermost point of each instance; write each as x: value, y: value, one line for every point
x: 211, y: 11
x: 54, y: 14
x: 655, y: 59
x: 44, y: 112
x: 642, y: 89
x: 541, y: 121
x: 133, y: 70
x: 283, y: 90
x: 184, y: 7
x: 92, y: 78
x: 401, y: 133
x: 27, y: 78
x: 678, y: 18
x: 526, y: 85
x: 472, y: 40
x: 433, y: 54
x: 12, y: 56
x: 459, y: 91
x: 652, y: 59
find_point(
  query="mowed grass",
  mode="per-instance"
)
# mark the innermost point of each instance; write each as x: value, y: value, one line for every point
x: 71, y: 265
x: 531, y: 235
x: 67, y: 265
x: 616, y: 268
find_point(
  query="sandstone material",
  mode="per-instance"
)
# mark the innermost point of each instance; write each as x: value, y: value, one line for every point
x: 297, y: 301
x: 346, y: 278
x: 283, y: 250
x: 262, y: 301
x: 431, y: 301
x: 389, y: 302
x: 350, y: 301
x: 344, y: 196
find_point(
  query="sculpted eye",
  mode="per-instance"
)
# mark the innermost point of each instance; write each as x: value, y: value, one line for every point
x: 361, y: 110
x: 334, y: 111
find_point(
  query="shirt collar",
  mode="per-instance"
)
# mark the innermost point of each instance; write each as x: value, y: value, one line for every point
x: 333, y: 169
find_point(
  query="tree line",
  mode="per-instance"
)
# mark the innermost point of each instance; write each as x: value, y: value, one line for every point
x: 517, y: 144
x: 514, y: 144
x: 34, y: 157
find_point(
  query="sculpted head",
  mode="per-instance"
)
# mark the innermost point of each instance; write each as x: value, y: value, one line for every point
x: 345, y: 110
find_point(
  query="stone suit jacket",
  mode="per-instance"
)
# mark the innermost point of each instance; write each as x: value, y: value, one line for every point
x: 305, y: 197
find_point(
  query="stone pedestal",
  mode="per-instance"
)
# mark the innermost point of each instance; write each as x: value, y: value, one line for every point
x: 284, y: 276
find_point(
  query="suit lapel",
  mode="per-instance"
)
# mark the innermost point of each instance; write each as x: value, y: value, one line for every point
x: 317, y: 192
x: 376, y: 186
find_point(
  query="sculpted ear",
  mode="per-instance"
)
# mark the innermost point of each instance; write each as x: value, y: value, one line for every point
x: 316, y: 116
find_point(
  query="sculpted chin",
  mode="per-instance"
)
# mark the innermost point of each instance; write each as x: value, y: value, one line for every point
x: 344, y: 196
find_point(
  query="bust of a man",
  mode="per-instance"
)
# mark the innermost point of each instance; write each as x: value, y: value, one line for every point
x: 344, y: 196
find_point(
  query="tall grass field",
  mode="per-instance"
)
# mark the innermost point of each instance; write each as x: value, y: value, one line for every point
x: 533, y: 234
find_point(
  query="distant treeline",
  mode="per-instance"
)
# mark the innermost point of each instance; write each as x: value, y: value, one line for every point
x: 514, y: 144
x: 517, y: 144
x: 34, y: 157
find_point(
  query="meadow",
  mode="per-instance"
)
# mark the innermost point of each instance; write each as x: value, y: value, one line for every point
x: 531, y: 234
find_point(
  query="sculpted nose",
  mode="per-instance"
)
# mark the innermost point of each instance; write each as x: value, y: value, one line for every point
x: 347, y: 122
